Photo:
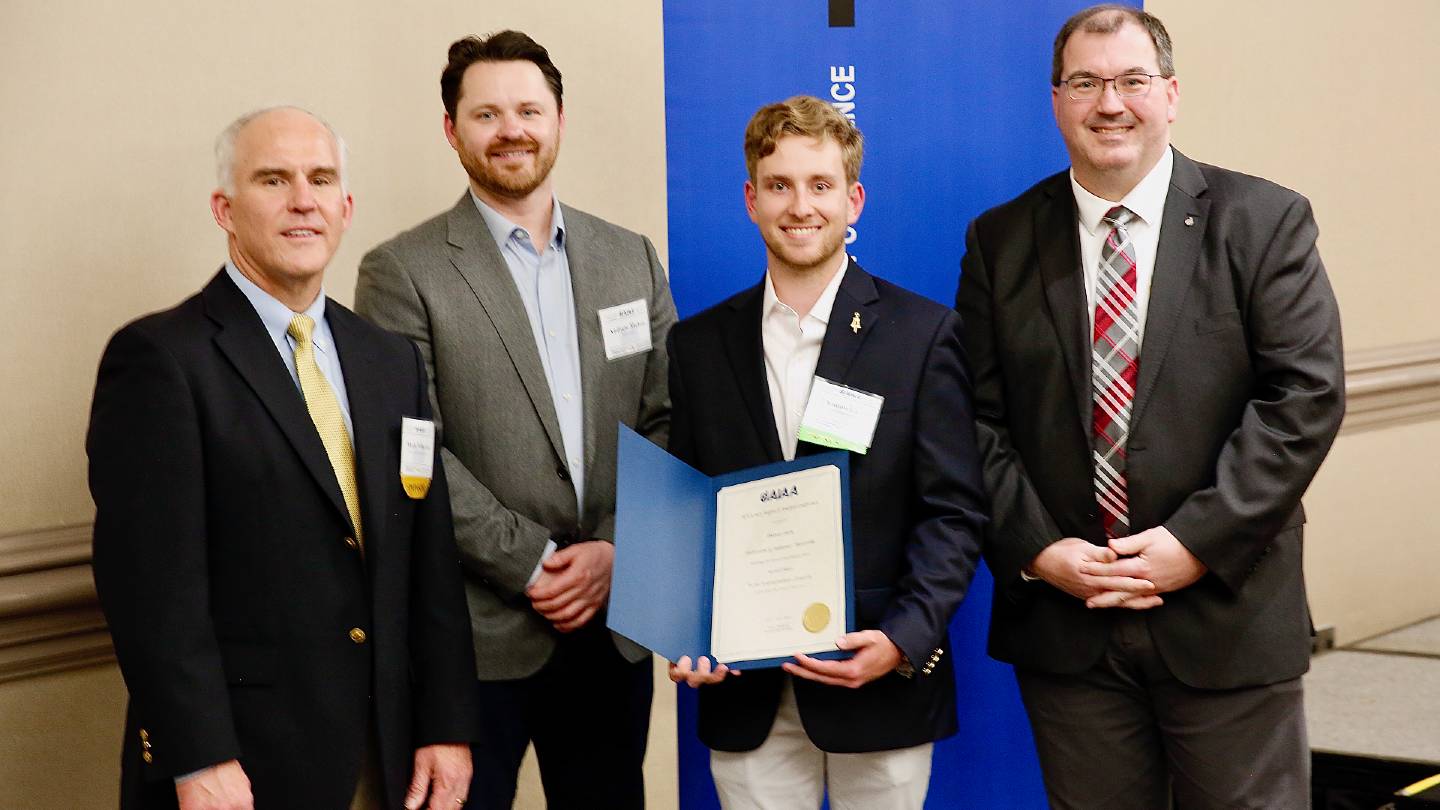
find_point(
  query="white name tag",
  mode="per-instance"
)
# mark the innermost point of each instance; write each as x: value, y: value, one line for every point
x: 840, y: 416
x: 417, y: 455
x: 626, y: 329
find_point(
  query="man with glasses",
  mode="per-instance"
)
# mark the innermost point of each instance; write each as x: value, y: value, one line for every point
x: 1158, y: 375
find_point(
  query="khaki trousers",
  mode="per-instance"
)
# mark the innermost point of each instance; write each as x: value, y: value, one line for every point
x: 787, y: 772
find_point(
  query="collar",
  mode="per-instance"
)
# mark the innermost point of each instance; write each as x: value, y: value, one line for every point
x: 274, y: 315
x: 823, y: 304
x: 502, y: 230
x: 1146, y: 200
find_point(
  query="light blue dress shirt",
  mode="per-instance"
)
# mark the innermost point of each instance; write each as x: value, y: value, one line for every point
x: 543, y: 281
x: 276, y: 318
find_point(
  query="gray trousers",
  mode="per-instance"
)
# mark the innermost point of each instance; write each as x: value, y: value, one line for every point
x: 1126, y: 734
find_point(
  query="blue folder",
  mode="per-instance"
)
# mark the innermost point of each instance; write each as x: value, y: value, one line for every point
x: 663, y: 584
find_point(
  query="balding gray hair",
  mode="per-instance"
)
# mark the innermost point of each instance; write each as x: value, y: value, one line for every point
x: 225, y: 146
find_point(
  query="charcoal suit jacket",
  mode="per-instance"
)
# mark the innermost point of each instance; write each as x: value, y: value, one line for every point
x: 1239, y: 396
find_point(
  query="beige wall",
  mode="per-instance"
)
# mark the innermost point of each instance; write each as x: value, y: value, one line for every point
x: 103, y: 207
x: 1337, y: 101
x: 60, y: 740
x: 105, y: 168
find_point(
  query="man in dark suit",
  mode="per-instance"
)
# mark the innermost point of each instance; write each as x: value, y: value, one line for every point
x: 741, y: 374
x: 543, y: 328
x: 1158, y: 376
x: 288, y: 618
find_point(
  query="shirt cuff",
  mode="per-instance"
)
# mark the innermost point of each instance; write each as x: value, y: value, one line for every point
x: 539, y: 566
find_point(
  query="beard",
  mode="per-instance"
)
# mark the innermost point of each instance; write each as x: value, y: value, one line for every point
x: 831, y: 244
x: 509, y: 183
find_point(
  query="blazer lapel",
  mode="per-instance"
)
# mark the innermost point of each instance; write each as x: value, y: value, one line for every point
x: 243, y: 341
x: 372, y: 435
x: 746, y: 352
x: 1058, y: 250
x: 856, y: 299
x: 853, y: 301
x: 478, y: 260
x: 1181, y: 231
x: 587, y: 285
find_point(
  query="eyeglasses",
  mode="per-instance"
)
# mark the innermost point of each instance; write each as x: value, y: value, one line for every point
x: 1128, y: 85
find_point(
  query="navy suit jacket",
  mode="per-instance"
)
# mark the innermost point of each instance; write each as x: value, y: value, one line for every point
x: 246, y: 621
x: 917, y: 503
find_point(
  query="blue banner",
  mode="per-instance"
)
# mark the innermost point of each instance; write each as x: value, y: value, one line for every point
x: 954, y: 103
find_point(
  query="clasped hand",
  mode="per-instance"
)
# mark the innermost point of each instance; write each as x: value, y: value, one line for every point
x: 1130, y: 572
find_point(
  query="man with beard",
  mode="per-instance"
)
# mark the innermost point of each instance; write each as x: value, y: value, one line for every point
x: 543, y: 328
x: 742, y: 374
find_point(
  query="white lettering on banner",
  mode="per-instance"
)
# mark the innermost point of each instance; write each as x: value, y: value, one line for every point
x: 842, y: 89
x: 842, y: 97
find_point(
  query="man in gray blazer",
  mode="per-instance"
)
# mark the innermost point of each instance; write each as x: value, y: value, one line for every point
x: 1158, y: 375
x: 543, y: 328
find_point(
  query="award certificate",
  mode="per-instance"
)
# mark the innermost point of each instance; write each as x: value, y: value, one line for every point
x: 748, y: 567
x: 780, y: 585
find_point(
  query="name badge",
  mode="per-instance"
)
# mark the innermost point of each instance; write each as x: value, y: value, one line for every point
x: 626, y: 329
x: 417, y: 455
x: 840, y: 416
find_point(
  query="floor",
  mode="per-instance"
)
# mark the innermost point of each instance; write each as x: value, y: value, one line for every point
x: 1378, y: 701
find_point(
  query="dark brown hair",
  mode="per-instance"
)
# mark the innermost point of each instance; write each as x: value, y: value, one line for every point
x: 502, y: 46
x: 1107, y: 19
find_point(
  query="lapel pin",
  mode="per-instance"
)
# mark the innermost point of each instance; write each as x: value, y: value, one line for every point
x: 1189, y: 221
x: 855, y: 323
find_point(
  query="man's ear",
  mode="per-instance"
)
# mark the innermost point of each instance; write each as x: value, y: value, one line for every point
x: 220, y: 209
x: 450, y: 130
x: 856, y: 197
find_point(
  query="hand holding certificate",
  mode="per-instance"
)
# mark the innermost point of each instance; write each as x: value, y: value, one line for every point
x: 749, y: 568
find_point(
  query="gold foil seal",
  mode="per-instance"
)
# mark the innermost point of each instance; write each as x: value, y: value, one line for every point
x: 816, y: 617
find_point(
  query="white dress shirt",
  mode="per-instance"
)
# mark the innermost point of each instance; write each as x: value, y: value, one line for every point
x: 1147, y: 202
x: 792, y: 349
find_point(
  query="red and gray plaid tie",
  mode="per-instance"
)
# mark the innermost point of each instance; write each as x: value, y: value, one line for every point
x: 1114, y: 363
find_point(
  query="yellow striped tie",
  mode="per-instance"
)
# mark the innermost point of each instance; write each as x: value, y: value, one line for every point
x: 325, y: 413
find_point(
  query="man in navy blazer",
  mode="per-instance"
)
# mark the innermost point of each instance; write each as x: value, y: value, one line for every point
x: 289, y: 620
x: 740, y: 378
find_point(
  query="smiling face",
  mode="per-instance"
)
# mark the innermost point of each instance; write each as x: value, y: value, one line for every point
x: 506, y: 129
x: 288, y: 210
x: 1114, y: 141
x: 802, y: 203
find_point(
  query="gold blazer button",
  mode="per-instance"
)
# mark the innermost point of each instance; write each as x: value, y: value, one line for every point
x: 357, y: 635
